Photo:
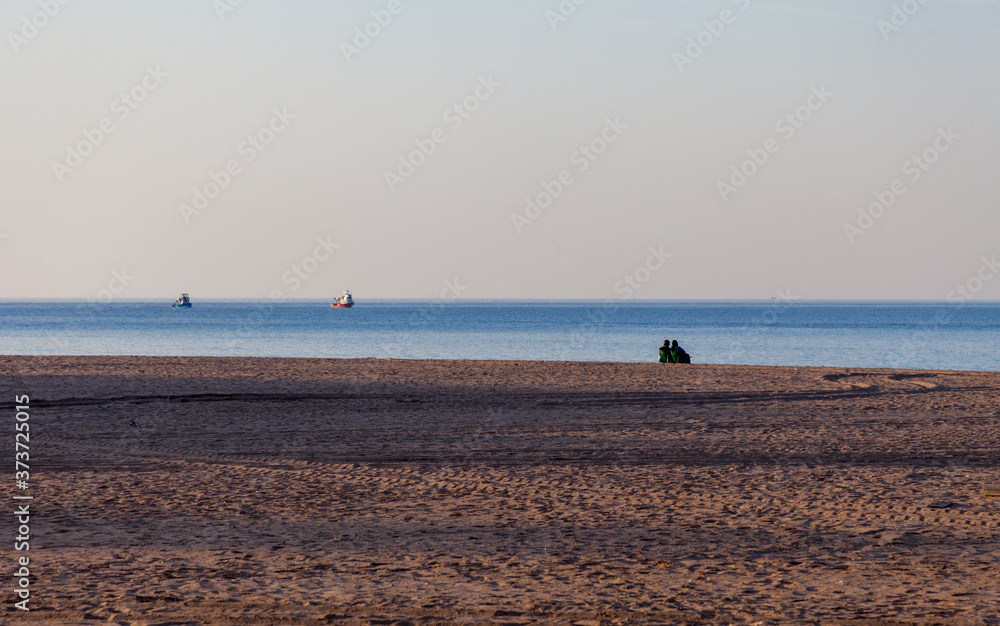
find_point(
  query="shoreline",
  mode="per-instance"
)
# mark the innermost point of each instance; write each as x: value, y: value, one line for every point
x: 352, y: 491
x: 650, y: 362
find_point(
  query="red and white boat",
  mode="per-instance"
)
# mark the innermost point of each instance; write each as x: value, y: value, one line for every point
x: 343, y: 302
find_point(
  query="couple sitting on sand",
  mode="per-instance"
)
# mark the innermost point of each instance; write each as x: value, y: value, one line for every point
x: 673, y: 354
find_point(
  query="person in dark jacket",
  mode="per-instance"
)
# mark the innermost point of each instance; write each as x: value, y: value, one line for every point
x: 678, y: 354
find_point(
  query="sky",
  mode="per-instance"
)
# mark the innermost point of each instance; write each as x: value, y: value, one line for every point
x: 635, y: 149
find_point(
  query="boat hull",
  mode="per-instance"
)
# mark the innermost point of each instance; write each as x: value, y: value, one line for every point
x: 182, y: 306
x: 342, y: 306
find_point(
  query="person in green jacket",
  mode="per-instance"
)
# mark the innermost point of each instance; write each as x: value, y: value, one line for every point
x: 665, y: 354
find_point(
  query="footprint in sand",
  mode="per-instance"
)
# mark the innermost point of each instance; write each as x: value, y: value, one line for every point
x: 853, y: 384
x: 912, y: 379
x: 868, y: 380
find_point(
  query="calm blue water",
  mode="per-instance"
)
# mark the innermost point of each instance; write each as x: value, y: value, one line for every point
x: 855, y: 334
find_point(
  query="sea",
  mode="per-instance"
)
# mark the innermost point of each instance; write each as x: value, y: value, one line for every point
x: 919, y: 335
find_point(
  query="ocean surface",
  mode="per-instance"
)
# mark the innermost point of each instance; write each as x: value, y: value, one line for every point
x: 922, y: 335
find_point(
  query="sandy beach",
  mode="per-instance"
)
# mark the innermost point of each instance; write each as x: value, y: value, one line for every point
x: 262, y: 491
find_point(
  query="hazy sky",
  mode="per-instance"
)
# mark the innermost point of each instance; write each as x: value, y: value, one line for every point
x: 150, y: 148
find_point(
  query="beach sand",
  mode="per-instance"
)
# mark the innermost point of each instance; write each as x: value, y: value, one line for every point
x: 391, y: 491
